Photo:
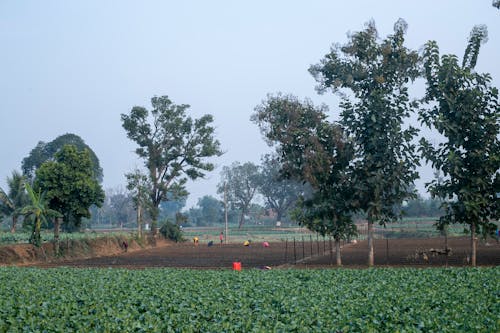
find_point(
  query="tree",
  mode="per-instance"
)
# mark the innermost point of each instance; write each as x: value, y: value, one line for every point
x: 11, y: 203
x: 496, y: 4
x: 372, y: 80
x: 138, y: 185
x: 70, y: 186
x: 280, y: 194
x: 174, y: 148
x: 211, y: 210
x: 316, y: 152
x: 170, y: 209
x: 242, y: 181
x: 39, y: 209
x: 464, y: 108
x: 121, y: 206
x: 46, y: 151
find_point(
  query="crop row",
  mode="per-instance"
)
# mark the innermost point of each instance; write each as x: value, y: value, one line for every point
x: 167, y: 300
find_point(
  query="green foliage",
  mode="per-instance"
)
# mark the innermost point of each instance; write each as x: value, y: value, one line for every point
x: 40, y: 211
x: 174, y: 148
x: 375, y: 76
x: 166, y: 300
x: 171, y: 231
x: 12, y: 203
x: 315, y: 151
x: 70, y: 185
x: 46, y: 151
x: 281, y: 194
x: 240, y: 182
x: 464, y: 108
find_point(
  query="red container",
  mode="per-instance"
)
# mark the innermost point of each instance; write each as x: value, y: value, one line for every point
x: 236, y: 266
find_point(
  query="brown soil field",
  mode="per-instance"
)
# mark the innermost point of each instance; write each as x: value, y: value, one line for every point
x: 394, y: 252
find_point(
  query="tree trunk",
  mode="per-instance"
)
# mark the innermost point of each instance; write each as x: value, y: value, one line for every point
x: 370, y: 243
x: 139, y: 222
x: 242, y: 217
x: 473, y: 244
x: 337, y: 252
x: 279, y: 216
x: 57, y: 223
x: 14, y: 222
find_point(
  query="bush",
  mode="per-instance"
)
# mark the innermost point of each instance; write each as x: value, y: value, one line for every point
x: 171, y: 231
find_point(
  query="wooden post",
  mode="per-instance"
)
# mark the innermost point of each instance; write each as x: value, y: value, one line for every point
x: 294, y: 252
x: 225, y: 215
x: 387, y: 251
x: 286, y: 249
x: 311, y: 243
x: 331, y: 250
x: 317, y: 243
x: 303, y: 248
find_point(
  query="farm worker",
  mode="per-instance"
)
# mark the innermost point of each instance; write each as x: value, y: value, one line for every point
x: 125, y: 245
x: 210, y: 243
x: 265, y: 244
x: 221, y: 237
x: 246, y: 243
x: 195, y: 241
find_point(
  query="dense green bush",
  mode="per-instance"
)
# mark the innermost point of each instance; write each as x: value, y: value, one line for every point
x: 171, y: 231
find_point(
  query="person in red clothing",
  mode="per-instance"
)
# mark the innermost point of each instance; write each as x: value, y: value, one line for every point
x: 221, y: 238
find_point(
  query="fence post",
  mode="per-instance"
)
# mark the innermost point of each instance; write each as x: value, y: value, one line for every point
x: 303, y: 250
x: 331, y: 252
x: 387, y: 250
x: 324, y: 245
x: 286, y: 249
x: 311, y: 243
x: 317, y: 243
x: 294, y: 253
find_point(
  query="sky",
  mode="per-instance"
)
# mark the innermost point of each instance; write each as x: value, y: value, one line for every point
x: 76, y: 66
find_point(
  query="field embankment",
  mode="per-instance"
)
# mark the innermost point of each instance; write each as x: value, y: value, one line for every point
x: 23, y: 254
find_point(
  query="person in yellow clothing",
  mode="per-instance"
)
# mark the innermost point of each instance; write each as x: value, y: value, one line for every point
x: 195, y: 241
x: 246, y: 243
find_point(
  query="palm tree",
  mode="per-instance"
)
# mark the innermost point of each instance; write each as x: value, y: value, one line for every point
x: 39, y: 209
x: 12, y: 203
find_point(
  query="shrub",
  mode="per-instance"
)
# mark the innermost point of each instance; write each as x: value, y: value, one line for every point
x: 171, y: 231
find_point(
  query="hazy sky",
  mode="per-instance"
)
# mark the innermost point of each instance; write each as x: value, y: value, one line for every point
x: 75, y: 66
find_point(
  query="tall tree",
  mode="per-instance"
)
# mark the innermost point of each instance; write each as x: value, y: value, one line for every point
x: 281, y: 194
x: 243, y: 181
x: 70, y: 186
x: 464, y: 108
x: 46, y: 151
x: 174, y: 147
x: 372, y: 79
x: 316, y: 152
x: 39, y: 209
x: 139, y: 186
x: 11, y: 203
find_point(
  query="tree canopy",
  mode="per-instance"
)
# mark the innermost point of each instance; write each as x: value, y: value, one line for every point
x: 174, y: 147
x: 314, y: 151
x: 372, y: 77
x: 46, y: 151
x: 70, y: 185
x: 241, y: 183
x: 463, y: 107
x: 13, y: 201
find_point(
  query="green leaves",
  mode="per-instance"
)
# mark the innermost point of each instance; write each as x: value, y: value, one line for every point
x: 174, y: 147
x: 164, y: 300
x: 69, y: 184
x: 463, y: 107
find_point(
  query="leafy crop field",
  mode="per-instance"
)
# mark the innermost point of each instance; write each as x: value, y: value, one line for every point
x: 168, y: 300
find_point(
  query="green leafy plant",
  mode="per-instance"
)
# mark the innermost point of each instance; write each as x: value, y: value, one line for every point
x: 171, y: 231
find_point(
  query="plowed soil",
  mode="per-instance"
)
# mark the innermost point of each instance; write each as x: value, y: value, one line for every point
x: 394, y: 252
